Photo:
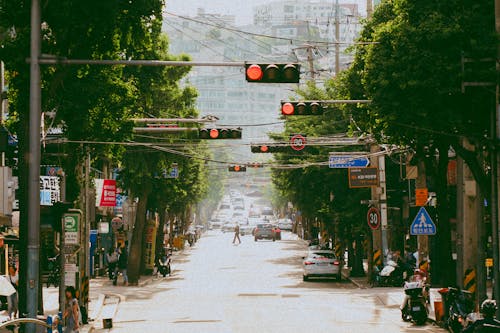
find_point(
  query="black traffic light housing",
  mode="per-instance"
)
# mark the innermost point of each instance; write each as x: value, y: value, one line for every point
x: 219, y: 133
x: 255, y: 165
x: 258, y: 149
x: 237, y: 168
x: 273, y: 73
x: 306, y: 108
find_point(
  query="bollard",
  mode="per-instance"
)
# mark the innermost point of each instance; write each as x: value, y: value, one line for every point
x: 59, y: 323
x: 49, y: 323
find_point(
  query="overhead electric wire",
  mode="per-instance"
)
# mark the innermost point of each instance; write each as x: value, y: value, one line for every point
x: 264, y: 35
x: 199, y: 42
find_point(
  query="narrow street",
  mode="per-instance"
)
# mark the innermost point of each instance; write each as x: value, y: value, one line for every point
x: 254, y: 287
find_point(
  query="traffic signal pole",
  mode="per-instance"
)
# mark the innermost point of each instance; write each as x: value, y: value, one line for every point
x: 32, y: 266
x: 495, y: 135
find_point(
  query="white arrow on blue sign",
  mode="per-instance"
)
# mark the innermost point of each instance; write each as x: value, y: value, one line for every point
x: 348, y: 161
x: 422, y: 224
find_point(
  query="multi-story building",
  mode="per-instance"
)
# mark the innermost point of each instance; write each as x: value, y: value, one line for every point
x: 223, y: 91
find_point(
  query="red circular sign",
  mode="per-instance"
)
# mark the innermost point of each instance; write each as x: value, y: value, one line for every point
x: 373, y: 218
x: 298, y: 142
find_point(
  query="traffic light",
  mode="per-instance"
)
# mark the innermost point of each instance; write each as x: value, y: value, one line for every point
x: 255, y: 165
x: 237, y: 168
x: 219, y: 133
x: 269, y: 149
x: 273, y: 73
x: 312, y: 108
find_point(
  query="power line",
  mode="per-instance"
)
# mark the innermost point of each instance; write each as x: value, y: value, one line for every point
x: 264, y: 35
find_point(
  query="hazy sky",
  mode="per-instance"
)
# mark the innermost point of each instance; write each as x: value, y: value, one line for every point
x: 241, y: 8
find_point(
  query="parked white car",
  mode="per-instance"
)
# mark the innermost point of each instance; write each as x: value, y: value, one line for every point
x: 322, y: 263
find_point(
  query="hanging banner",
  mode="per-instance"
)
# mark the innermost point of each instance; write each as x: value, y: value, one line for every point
x: 105, y: 190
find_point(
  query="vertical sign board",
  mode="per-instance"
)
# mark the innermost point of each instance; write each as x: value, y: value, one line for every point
x: 71, y: 224
x: 71, y: 229
x: 50, y: 190
x: 363, y: 177
x: 421, y: 196
x: 105, y: 190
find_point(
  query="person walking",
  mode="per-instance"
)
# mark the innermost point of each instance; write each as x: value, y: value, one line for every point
x: 12, y: 300
x: 121, y: 266
x: 112, y: 259
x: 71, y: 311
x: 237, y: 234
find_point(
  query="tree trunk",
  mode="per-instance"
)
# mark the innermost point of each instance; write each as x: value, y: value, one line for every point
x: 135, y: 255
x: 444, y: 266
x: 160, y: 235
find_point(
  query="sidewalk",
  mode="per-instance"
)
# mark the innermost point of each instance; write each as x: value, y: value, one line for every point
x: 393, y: 298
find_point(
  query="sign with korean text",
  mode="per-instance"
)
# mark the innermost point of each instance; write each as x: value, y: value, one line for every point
x: 50, y: 190
x: 421, y: 196
x: 347, y: 161
x: 105, y: 190
x: 363, y: 177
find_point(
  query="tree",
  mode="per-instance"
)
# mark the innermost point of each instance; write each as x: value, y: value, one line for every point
x: 413, y: 75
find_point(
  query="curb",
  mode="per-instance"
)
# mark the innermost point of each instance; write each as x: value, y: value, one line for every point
x: 354, y: 282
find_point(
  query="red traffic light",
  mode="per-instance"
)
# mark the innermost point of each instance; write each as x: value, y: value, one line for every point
x: 219, y: 133
x: 237, y: 168
x: 254, y: 73
x: 264, y: 149
x: 307, y: 108
x: 273, y: 73
x: 214, y: 133
x: 287, y: 109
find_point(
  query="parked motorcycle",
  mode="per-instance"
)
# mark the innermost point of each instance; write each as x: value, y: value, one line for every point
x: 391, y: 274
x: 414, y: 307
x: 460, y: 305
x: 164, y: 264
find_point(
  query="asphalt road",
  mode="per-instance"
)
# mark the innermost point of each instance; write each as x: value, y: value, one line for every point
x: 255, y: 287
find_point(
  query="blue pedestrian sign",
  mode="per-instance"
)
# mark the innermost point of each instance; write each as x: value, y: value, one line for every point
x: 422, y: 224
x: 348, y: 161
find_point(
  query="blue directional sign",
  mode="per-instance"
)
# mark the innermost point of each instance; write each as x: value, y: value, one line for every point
x: 348, y: 161
x: 422, y: 224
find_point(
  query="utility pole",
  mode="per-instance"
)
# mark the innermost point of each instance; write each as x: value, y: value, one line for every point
x: 369, y: 8
x: 337, y: 38
x: 33, y: 206
x: 383, y: 205
x: 310, y: 60
x: 495, y: 134
x: 422, y: 240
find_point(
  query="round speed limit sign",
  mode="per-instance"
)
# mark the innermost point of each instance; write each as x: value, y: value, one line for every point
x: 373, y: 218
x: 298, y: 142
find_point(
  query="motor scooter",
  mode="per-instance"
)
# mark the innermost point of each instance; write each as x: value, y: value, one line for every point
x: 163, y: 264
x: 414, y: 307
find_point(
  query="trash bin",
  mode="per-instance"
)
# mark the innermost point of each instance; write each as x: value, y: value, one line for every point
x: 439, y: 310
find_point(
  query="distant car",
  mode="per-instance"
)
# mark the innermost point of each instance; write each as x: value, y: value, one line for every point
x: 264, y: 231
x: 225, y: 206
x: 239, y: 208
x: 322, y: 263
x: 246, y: 230
x: 215, y: 224
x: 228, y: 227
x: 285, y: 224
